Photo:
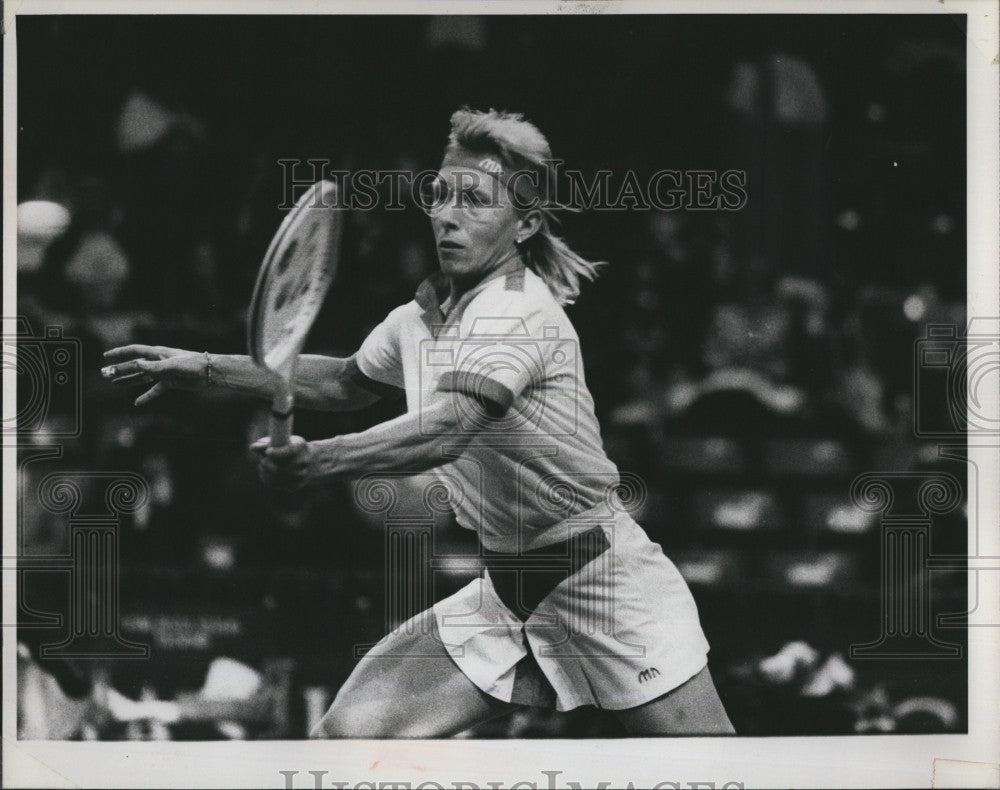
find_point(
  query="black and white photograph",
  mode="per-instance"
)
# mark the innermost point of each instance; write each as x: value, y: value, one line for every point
x: 501, y: 395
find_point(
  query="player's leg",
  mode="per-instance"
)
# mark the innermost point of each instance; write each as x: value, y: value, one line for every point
x: 693, y: 708
x: 407, y: 686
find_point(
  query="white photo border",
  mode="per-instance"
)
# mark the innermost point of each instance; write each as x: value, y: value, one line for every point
x: 846, y: 761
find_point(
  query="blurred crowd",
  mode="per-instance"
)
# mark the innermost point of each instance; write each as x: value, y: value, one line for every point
x: 728, y: 353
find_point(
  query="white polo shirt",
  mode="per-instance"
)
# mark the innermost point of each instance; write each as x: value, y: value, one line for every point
x: 535, y: 458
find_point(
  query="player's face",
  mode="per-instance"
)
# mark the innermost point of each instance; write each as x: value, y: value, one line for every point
x: 475, y: 223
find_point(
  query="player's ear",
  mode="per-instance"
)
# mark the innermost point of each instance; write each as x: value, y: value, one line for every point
x: 528, y: 225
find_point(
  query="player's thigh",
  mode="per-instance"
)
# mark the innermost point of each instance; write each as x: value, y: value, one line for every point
x: 407, y: 686
x: 693, y: 708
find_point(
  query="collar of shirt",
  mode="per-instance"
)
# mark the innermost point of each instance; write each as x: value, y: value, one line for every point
x: 435, y: 298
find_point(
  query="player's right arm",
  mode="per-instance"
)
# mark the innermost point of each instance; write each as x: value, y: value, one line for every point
x: 322, y: 383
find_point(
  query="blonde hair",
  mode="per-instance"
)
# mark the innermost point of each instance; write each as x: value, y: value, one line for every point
x: 521, y: 146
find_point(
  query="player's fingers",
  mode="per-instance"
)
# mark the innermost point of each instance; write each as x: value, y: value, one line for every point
x: 124, y: 353
x: 150, y: 366
x: 155, y: 391
x: 283, y: 453
x: 140, y: 367
x: 259, y: 448
x: 133, y: 378
x: 296, y: 445
x: 121, y: 369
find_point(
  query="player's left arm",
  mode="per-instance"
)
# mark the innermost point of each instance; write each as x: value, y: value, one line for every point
x: 412, y: 443
x: 440, y: 431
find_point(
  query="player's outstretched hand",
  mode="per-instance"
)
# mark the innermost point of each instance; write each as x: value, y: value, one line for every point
x: 288, y: 468
x: 163, y: 367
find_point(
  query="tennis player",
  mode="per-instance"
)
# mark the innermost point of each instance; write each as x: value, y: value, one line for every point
x: 576, y: 605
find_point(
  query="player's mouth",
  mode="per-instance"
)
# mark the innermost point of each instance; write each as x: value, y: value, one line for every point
x: 446, y: 245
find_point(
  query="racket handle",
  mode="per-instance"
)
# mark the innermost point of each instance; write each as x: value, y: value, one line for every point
x: 281, y: 416
x: 281, y: 430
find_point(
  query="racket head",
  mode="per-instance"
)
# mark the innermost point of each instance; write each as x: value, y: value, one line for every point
x: 294, y: 277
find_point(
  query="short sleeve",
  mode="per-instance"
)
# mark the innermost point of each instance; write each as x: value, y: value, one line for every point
x: 504, y: 349
x: 379, y: 358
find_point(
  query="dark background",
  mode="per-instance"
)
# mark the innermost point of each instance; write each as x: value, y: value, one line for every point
x: 162, y: 136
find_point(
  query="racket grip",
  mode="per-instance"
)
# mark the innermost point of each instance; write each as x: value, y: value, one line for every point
x: 281, y: 430
x: 281, y: 417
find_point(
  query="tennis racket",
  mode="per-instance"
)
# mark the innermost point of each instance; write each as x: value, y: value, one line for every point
x: 294, y: 277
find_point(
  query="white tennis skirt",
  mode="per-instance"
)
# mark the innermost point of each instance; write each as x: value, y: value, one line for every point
x: 620, y: 632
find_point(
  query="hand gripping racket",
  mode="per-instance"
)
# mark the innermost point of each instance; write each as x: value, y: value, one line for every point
x: 300, y: 263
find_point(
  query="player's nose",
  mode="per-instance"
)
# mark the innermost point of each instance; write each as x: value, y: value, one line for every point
x: 447, y: 218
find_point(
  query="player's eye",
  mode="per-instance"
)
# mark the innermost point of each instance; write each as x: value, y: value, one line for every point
x: 475, y: 204
x: 477, y: 200
x: 433, y: 195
